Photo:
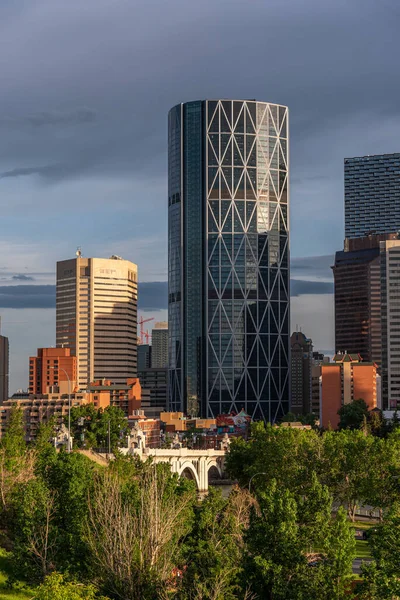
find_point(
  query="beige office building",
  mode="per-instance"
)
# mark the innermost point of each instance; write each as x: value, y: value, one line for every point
x: 97, y: 316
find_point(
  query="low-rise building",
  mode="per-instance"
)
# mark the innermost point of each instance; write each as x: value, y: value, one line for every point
x: 39, y: 408
x: 150, y: 427
x: 177, y: 421
x: 344, y: 380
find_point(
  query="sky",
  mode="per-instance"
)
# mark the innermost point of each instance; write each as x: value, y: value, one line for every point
x: 84, y: 96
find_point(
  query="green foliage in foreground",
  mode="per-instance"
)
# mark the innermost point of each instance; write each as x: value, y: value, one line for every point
x: 56, y: 588
x: 135, y: 531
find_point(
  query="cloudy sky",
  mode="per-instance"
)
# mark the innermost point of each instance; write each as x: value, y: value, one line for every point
x: 84, y: 95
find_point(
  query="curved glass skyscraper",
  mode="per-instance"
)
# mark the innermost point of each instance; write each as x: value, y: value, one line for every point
x: 228, y: 258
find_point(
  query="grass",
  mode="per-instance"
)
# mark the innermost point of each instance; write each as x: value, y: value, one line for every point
x: 362, y: 546
x: 18, y: 591
x: 362, y: 549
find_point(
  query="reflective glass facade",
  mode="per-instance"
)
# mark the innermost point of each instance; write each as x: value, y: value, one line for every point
x: 229, y: 258
x: 372, y: 194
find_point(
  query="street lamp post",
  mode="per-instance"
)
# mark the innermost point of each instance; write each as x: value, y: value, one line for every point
x: 69, y: 407
x: 252, y: 477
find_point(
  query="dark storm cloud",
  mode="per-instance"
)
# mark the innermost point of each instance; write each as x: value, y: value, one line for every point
x: 316, y: 266
x: 55, y: 172
x: 22, y: 277
x: 54, y: 117
x: 27, y: 296
x: 298, y: 287
x: 152, y: 295
x: 130, y: 68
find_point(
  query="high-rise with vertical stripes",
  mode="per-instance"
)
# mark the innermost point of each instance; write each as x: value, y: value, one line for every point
x: 96, y: 316
x: 228, y: 272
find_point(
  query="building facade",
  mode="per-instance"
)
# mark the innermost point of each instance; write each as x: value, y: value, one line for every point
x: 159, y: 346
x: 390, y: 277
x: 144, y: 356
x: 357, y: 276
x: 372, y: 194
x: 155, y: 381
x: 96, y: 316
x: 47, y: 369
x: 344, y: 380
x: 4, y: 368
x: 301, y: 376
x: 228, y: 255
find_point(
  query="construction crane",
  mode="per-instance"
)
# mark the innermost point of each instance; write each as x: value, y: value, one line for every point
x: 142, y: 332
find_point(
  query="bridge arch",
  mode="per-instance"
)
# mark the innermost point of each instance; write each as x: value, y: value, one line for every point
x: 213, y: 469
x: 191, y: 473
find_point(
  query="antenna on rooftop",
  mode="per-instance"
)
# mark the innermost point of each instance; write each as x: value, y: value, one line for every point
x: 78, y: 252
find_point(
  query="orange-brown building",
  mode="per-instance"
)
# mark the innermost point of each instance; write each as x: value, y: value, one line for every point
x: 345, y: 379
x: 46, y: 370
x: 127, y: 397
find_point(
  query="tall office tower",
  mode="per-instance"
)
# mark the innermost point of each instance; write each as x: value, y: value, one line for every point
x: 301, y: 377
x: 48, y: 369
x: 4, y: 367
x: 357, y: 275
x: 390, y: 257
x: 159, y: 342
x: 228, y: 253
x: 96, y: 316
x: 372, y: 194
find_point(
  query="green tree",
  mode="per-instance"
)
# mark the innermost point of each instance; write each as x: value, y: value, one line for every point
x: 345, y: 467
x: 341, y: 552
x: 273, y: 542
x: 56, y: 587
x: 33, y: 529
x: 13, y: 441
x: 46, y: 454
x: 314, y: 514
x: 382, y: 484
x: 135, y: 541
x: 96, y: 424
x: 285, y: 561
x: 352, y: 415
x: 214, y: 548
x: 17, y: 463
x: 382, y: 576
x: 71, y: 479
x: 286, y: 454
x: 289, y: 418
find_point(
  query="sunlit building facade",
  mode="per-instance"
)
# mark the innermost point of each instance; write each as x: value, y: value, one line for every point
x: 96, y: 317
x: 228, y: 267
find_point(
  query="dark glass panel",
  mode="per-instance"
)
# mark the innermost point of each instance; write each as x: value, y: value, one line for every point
x: 238, y: 117
x: 226, y: 149
x: 238, y: 150
x: 251, y: 117
x: 238, y: 182
x: 227, y: 171
x: 283, y: 187
x: 214, y: 123
x: 225, y: 125
x: 212, y: 156
x: 227, y: 106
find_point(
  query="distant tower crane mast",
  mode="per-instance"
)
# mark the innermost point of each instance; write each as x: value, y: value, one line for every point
x: 144, y: 334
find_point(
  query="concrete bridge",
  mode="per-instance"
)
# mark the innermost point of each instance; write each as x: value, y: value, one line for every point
x: 198, y: 465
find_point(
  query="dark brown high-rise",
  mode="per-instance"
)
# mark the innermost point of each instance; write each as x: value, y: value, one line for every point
x: 357, y: 278
x: 4, y: 361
